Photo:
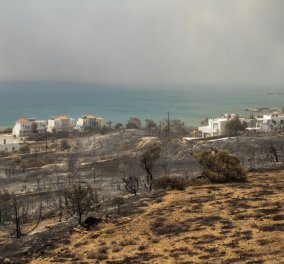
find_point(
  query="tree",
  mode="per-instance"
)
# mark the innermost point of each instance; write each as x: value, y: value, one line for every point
x: 204, y: 122
x: 235, y: 126
x: 178, y: 127
x: 72, y: 164
x: 79, y: 200
x: 7, y: 130
x: 24, y: 149
x: 118, y: 126
x: 150, y: 124
x: 134, y: 122
x: 166, y: 157
x: 64, y: 144
x: 15, y: 213
x: 148, y: 160
x: 118, y: 201
x: 131, y: 184
x: 220, y: 166
x: 173, y: 128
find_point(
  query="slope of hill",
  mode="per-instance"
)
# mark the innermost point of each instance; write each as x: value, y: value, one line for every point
x: 229, y: 223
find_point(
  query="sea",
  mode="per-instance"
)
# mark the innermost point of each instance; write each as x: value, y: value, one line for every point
x: 116, y: 103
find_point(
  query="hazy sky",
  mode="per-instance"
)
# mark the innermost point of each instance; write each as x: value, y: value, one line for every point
x: 185, y: 42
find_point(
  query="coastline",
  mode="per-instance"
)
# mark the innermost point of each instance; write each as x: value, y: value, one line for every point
x: 45, y: 99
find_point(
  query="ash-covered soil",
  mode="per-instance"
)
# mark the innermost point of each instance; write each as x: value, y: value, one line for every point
x: 228, y: 223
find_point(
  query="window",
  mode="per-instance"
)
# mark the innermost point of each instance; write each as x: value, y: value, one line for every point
x: 215, y: 126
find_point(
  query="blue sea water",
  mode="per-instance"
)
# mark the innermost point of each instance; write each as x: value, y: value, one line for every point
x: 43, y: 99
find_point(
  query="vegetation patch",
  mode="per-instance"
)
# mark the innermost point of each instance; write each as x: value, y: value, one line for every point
x: 173, y: 183
x: 273, y: 227
x: 219, y: 166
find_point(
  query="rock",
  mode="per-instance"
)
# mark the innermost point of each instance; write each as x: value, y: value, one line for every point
x: 92, y: 254
x: 91, y: 221
x: 26, y: 250
x: 75, y: 229
x: 6, y: 260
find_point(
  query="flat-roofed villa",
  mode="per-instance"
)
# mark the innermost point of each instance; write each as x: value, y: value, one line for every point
x: 216, y: 126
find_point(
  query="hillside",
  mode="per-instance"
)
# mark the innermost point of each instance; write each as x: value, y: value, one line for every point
x: 230, y: 223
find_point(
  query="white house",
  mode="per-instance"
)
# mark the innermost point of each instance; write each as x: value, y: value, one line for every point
x: 89, y: 121
x: 26, y: 127
x: 277, y: 120
x: 100, y: 122
x: 264, y: 123
x: 9, y: 143
x: 215, y: 127
x: 267, y: 123
x: 86, y: 121
x: 60, y: 123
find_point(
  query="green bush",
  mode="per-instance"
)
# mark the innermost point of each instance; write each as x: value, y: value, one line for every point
x: 219, y: 166
x: 174, y: 183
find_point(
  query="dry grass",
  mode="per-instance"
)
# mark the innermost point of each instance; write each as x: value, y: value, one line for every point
x: 229, y: 223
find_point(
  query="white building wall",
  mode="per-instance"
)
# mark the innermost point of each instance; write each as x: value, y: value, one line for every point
x: 41, y: 126
x: 100, y: 121
x: 60, y: 125
x: 9, y: 143
x: 216, y: 127
x: 22, y: 129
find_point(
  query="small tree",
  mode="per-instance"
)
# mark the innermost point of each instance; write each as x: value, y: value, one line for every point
x: 15, y: 212
x: 118, y: 126
x: 134, y: 122
x: 220, y: 166
x: 64, y: 144
x: 150, y: 126
x: 235, y: 126
x: 148, y: 160
x: 118, y: 201
x: 168, y: 150
x: 72, y: 166
x: 131, y: 184
x: 24, y: 149
x: 79, y: 200
x: 204, y: 122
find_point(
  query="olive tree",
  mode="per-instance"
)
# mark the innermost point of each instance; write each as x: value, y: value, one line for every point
x: 147, y: 161
x: 16, y: 212
x: 134, y: 122
x: 235, y: 126
x: 220, y: 166
x: 79, y: 200
x: 131, y: 183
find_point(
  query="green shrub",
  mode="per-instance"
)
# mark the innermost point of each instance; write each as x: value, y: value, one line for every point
x: 219, y: 166
x: 174, y: 183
